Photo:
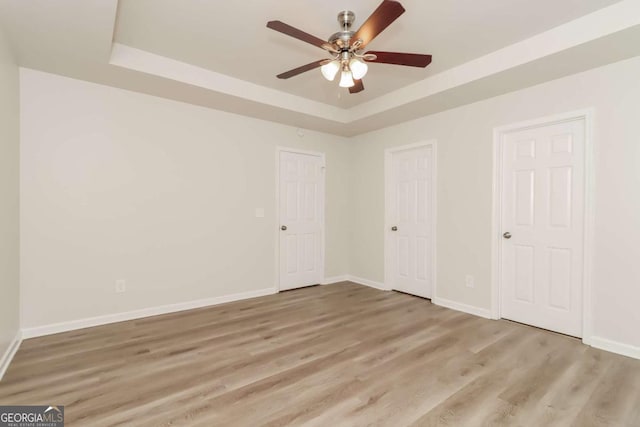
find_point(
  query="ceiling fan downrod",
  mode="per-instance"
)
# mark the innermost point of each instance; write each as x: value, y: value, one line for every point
x: 346, y: 19
x: 343, y: 38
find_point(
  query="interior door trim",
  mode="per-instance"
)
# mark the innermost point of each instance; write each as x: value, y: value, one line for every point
x: 388, y: 234
x: 586, y: 116
x: 276, y: 226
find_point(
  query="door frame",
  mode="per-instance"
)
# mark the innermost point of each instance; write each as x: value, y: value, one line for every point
x: 585, y: 115
x: 323, y: 195
x: 388, y: 174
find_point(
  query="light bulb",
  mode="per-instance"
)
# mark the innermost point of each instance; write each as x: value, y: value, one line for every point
x: 330, y: 69
x: 347, y: 79
x: 358, y: 68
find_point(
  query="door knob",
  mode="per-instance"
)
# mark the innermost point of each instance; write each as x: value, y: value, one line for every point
x: 394, y: 228
x: 507, y: 235
x: 283, y: 228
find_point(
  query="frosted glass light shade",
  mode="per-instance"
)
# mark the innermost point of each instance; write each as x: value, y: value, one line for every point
x: 358, y: 68
x: 330, y: 70
x: 347, y: 79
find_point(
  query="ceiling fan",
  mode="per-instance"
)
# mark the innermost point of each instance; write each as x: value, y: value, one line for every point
x: 347, y: 46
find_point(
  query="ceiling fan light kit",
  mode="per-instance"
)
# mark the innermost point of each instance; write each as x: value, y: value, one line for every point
x: 352, y: 69
x: 347, y: 78
x: 358, y: 68
x: 346, y: 47
x: 330, y: 70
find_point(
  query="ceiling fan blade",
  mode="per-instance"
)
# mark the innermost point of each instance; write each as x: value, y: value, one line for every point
x: 359, y: 87
x: 397, y: 58
x: 303, y: 69
x: 381, y: 18
x: 296, y: 33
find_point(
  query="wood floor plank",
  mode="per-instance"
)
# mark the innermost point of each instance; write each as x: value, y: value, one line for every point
x: 562, y: 403
x: 614, y: 399
x: 518, y: 381
x: 341, y: 355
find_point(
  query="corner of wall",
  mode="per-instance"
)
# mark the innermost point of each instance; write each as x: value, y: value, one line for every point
x: 10, y: 193
x: 11, y: 351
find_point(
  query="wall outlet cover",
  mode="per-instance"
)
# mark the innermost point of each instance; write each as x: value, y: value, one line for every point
x: 469, y: 281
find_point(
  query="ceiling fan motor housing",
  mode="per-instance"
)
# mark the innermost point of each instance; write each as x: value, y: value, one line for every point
x: 343, y: 38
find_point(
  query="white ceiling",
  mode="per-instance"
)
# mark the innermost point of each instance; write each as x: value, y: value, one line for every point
x: 230, y: 37
x: 220, y: 54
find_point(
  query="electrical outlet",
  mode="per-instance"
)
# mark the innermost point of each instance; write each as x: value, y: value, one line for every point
x: 121, y: 286
x: 469, y: 281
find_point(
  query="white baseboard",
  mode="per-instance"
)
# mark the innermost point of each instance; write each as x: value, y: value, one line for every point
x: 470, y: 309
x: 7, y: 357
x: 367, y: 282
x: 615, y: 347
x: 72, y: 325
x: 335, y: 279
x: 596, y: 342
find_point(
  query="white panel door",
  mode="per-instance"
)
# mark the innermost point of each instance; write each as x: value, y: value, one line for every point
x: 543, y: 221
x: 410, y: 215
x: 301, y: 219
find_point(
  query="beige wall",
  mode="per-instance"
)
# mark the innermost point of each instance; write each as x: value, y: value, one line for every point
x: 120, y: 185
x: 9, y: 214
x: 465, y: 173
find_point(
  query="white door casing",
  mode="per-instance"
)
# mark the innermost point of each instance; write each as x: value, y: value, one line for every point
x: 543, y: 208
x: 301, y: 195
x: 410, y: 174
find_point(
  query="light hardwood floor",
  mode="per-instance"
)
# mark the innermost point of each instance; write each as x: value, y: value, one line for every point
x: 340, y: 355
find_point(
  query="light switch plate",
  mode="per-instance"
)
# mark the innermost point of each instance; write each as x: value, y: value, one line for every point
x: 259, y: 212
